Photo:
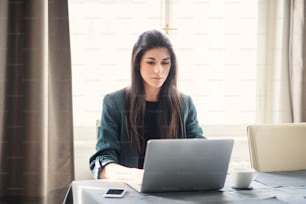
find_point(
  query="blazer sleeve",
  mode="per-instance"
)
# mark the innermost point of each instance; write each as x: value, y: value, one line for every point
x: 108, y: 144
x: 192, y: 127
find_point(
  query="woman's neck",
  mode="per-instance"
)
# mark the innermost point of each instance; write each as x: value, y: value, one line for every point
x: 152, y: 94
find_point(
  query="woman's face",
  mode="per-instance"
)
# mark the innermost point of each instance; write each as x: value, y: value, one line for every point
x: 154, y: 68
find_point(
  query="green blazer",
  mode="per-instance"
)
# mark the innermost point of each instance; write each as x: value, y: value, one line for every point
x: 113, y: 144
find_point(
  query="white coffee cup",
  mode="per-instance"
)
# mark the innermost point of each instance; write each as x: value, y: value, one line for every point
x: 242, y: 178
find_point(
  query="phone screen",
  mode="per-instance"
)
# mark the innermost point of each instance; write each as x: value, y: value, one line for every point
x: 115, y: 192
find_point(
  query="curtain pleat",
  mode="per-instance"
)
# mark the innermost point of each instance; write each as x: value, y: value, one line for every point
x: 297, y: 56
x: 60, y: 126
x: 36, y: 137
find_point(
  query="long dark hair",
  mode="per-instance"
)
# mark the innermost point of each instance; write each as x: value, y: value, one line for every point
x: 170, y: 119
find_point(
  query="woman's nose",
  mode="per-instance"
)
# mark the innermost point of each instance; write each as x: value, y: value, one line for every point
x: 157, y: 68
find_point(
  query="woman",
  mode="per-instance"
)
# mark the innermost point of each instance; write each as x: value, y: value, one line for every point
x: 151, y: 108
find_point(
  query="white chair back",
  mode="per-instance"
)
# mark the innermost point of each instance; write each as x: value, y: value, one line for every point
x: 277, y: 147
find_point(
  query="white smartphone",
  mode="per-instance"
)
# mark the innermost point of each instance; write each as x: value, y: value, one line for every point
x: 114, y: 193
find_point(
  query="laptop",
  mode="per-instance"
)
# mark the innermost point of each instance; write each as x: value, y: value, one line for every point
x: 185, y: 165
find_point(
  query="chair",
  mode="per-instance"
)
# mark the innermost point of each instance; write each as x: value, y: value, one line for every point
x: 277, y: 147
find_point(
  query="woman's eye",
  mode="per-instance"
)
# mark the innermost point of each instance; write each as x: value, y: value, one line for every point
x: 150, y: 62
x: 165, y: 63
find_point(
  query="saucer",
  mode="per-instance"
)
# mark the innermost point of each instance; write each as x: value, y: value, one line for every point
x: 242, y: 188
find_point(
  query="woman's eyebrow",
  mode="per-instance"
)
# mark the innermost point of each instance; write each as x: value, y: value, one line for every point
x: 152, y: 58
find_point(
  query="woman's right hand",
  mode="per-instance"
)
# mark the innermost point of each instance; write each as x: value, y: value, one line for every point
x: 121, y: 173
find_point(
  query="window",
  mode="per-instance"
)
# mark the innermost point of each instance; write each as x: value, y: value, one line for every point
x: 216, y: 46
x: 215, y: 42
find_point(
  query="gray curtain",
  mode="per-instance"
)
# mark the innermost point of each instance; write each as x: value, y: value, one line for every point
x: 297, y: 62
x: 281, y: 78
x: 36, y: 127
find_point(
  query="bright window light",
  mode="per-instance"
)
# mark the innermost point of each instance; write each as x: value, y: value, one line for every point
x: 215, y: 42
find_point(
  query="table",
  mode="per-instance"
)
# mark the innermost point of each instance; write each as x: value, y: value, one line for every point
x: 277, y: 187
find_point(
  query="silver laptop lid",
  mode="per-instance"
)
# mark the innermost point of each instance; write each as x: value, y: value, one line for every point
x: 186, y: 164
